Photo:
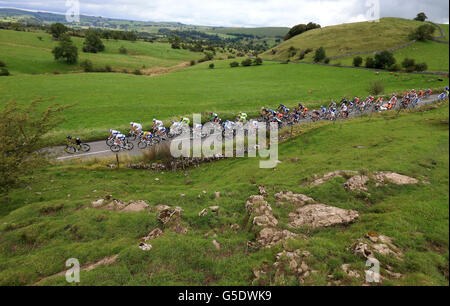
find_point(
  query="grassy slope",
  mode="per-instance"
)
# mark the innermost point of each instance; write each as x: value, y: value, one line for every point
x: 367, y: 36
x: 436, y: 55
x: 35, y: 244
x: 23, y: 52
x: 112, y: 100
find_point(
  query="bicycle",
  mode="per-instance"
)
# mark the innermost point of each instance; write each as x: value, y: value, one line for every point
x: 117, y: 147
x: 72, y: 148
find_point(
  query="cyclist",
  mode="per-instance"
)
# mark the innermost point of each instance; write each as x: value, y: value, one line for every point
x: 113, y: 133
x: 242, y: 117
x: 185, y: 121
x: 120, y: 140
x: 135, y: 128
x: 147, y: 136
x: 76, y: 143
x: 157, y: 124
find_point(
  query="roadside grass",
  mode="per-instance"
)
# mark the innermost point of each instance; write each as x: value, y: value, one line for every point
x: 50, y: 220
x: 105, y: 101
x: 24, y: 53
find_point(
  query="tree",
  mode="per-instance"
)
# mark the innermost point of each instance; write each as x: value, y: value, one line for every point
x: 424, y: 32
x: 258, y: 61
x: 176, y: 42
x: 57, y: 30
x: 421, y: 17
x: 299, y: 29
x: 93, y: 43
x: 370, y: 62
x: 234, y: 64
x: 247, y: 62
x: 421, y: 67
x: 384, y: 59
x: 375, y: 88
x: 22, y: 130
x: 211, y: 66
x: 320, y: 55
x: 66, y: 50
x: 357, y: 61
x: 408, y: 63
x: 4, y: 71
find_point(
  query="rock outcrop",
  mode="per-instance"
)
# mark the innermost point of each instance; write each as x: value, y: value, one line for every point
x: 320, y: 215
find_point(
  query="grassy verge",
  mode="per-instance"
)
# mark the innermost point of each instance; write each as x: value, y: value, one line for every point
x: 49, y: 221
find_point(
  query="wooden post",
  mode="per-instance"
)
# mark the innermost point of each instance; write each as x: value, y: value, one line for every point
x: 117, y: 159
x: 292, y: 128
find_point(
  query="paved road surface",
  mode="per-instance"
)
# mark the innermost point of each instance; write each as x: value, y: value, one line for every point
x: 100, y: 149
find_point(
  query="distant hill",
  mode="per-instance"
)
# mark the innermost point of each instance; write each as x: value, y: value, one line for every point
x: 22, y: 16
x: 347, y: 38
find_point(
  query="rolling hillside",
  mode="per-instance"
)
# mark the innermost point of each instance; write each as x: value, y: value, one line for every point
x: 362, y: 36
x: 27, y: 52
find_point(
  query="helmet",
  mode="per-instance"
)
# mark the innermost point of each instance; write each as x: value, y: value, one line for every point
x: 69, y: 137
x: 154, y: 119
x: 394, y: 95
x: 131, y: 123
x: 172, y: 121
x: 446, y: 88
x: 109, y: 131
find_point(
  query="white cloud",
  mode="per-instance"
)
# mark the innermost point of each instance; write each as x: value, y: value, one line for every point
x: 243, y: 12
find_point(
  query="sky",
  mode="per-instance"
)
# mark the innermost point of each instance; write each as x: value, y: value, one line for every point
x: 246, y: 13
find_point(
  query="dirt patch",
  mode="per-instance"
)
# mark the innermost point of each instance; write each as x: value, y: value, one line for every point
x: 155, y: 71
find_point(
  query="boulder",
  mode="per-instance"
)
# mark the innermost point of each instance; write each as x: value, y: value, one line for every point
x: 153, y: 234
x: 268, y: 236
x: 216, y: 244
x: 265, y: 220
x: 298, y: 199
x: 136, y: 206
x: 204, y: 212
x: 357, y: 183
x: 98, y: 203
x: 145, y: 247
x: 320, y: 215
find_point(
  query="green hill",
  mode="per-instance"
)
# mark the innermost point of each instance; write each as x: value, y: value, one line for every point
x: 362, y: 36
x: 28, y: 52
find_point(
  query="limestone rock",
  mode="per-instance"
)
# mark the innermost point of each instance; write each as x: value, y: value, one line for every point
x: 320, y: 215
x: 298, y: 199
x: 136, y: 206
x: 98, y: 203
x: 145, y: 247
x: 204, y: 212
x: 357, y: 183
x: 268, y: 237
x: 153, y: 234
x: 216, y: 244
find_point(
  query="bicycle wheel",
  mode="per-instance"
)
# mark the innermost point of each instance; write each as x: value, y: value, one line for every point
x: 109, y: 142
x: 132, y: 137
x: 70, y: 149
x: 85, y: 147
x: 129, y: 146
x: 142, y: 145
x: 115, y: 148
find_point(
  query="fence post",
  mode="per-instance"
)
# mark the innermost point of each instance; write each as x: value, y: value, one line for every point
x: 117, y: 159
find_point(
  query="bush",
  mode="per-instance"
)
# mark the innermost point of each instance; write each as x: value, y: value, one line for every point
x: 123, y: 50
x: 384, y: 59
x: 301, y: 56
x: 258, y: 61
x: 375, y: 88
x: 357, y: 61
x: 108, y: 68
x: 421, y: 17
x: 395, y: 67
x: 66, y: 50
x: 137, y: 72
x: 58, y: 30
x: 320, y: 55
x: 247, y: 62
x: 231, y: 56
x: 327, y: 60
x: 4, y: 72
x: 192, y: 62
x: 234, y: 64
x: 421, y: 67
x: 424, y: 32
x: 93, y: 43
x: 87, y: 66
x: 408, y: 62
x: 370, y: 62
x: 410, y: 68
x: 211, y: 66
x: 2, y: 64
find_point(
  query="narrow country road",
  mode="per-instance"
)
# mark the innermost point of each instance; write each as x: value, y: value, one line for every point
x: 101, y: 149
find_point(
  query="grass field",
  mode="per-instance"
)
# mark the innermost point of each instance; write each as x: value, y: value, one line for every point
x: 435, y: 54
x: 24, y: 53
x: 113, y: 100
x: 50, y: 221
x: 365, y: 36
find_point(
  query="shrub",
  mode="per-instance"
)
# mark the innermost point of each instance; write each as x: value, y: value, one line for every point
x: 410, y: 68
x: 421, y: 17
x: 301, y: 56
x: 424, y: 32
x: 234, y: 64
x: 309, y: 50
x: 357, y: 61
x: 192, y: 62
x: 320, y: 55
x: 231, y: 56
x: 375, y: 88
x: 384, y: 59
x: 421, y: 67
x: 108, y: 68
x: 4, y: 71
x: 58, y: 30
x: 66, y: 50
x: 395, y: 67
x: 370, y: 62
x: 2, y: 64
x: 408, y: 62
x: 327, y: 60
x: 93, y: 43
x: 123, y: 50
x: 247, y: 62
x: 211, y: 66
x: 137, y: 72
x: 258, y: 61
x: 87, y: 66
